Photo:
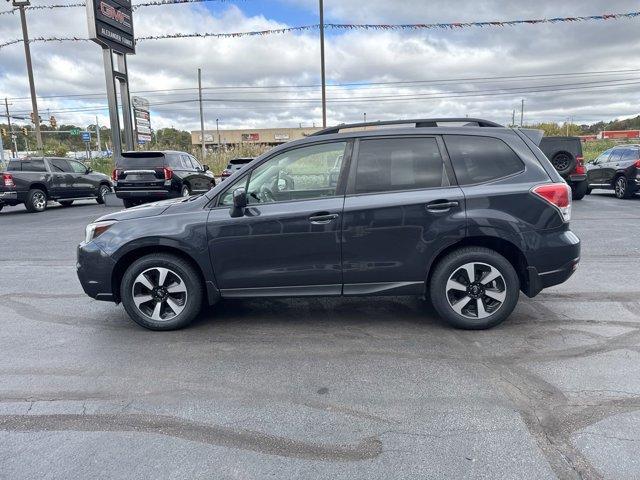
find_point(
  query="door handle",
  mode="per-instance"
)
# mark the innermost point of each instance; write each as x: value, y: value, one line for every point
x: 322, y: 218
x: 441, y: 206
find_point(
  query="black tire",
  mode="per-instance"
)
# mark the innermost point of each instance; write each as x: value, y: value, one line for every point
x: 181, y: 270
x: 36, y: 201
x: 65, y: 203
x: 128, y: 203
x: 102, y: 191
x: 1, y: 207
x: 563, y: 162
x: 579, y: 190
x: 588, y: 192
x: 442, y: 297
x: 622, y: 188
x: 185, y: 191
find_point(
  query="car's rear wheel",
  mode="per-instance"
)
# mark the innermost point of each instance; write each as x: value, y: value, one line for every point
x: 474, y: 288
x: 563, y: 163
x: 65, y: 203
x: 622, y: 188
x: 579, y: 190
x: 161, y: 292
x: 36, y: 201
x: 102, y: 192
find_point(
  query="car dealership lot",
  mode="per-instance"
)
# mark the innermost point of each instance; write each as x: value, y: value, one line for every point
x: 319, y: 388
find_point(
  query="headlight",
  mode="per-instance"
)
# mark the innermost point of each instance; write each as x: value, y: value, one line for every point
x: 94, y: 230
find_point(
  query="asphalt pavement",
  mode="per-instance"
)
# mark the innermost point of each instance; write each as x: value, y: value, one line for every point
x: 364, y: 388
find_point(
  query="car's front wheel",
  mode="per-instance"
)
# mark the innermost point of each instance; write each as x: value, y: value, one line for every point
x: 474, y: 288
x: 186, y: 192
x: 161, y: 292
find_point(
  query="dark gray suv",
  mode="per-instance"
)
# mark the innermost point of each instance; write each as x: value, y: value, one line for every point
x: 467, y: 215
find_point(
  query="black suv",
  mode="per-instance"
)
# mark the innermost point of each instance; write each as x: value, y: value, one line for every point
x: 141, y: 177
x: 618, y: 168
x: 468, y: 216
x: 565, y: 154
x: 35, y: 181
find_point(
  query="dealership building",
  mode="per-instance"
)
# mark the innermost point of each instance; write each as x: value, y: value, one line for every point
x: 256, y: 136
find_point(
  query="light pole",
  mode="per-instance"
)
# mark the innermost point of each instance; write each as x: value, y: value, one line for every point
x: 324, y: 89
x: 20, y: 4
x: 204, y: 148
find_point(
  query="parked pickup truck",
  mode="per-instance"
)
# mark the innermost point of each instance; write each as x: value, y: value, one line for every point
x: 35, y: 181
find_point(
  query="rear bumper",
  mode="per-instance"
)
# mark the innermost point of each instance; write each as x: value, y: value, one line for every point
x: 151, y: 193
x: 95, y: 269
x: 575, y: 178
x: 8, y: 198
x: 554, y: 262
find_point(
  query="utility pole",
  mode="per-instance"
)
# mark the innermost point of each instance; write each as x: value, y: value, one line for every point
x: 14, y: 145
x: 98, y: 135
x: 218, y: 132
x: 20, y: 4
x: 513, y: 118
x: 324, y: 89
x: 522, y: 113
x: 204, y: 148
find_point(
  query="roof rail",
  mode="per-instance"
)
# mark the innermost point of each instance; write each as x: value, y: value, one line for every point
x: 419, y: 123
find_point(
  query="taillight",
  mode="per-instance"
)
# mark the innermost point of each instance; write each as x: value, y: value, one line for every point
x: 115, y: 174
x: 226, y: 173
x: 168, y: 173
x: 580, y: 169
x: 637, y: 164
x: 7, y: 180
x: 558, y: 195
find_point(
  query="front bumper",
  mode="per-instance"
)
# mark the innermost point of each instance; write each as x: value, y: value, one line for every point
x: 555, y: 260
x: 95, y: 270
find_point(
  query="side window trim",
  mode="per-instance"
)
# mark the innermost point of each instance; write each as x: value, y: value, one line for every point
x: 351, y: 184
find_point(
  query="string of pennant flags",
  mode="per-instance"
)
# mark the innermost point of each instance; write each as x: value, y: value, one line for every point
x: 348, y: 26
x: 135, y: 6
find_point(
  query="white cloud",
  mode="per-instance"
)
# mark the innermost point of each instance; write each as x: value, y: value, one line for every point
x: 353, y: 56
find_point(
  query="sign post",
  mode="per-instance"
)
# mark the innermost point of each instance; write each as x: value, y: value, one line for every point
x: 111, y: 27
x: 142, y: 120
x: 86, y: 138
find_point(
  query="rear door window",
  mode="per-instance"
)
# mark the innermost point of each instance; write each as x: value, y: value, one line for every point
x: 393, y: 164
x: 33, y: 166
x: 60, y: 165
x: 481, y: 159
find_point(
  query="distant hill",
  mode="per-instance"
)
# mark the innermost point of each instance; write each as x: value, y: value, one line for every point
x: 627, y: 124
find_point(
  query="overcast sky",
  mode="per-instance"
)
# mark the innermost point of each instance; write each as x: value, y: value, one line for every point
x: 291, y: 61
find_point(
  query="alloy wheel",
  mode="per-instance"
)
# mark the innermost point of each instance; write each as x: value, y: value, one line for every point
x: 103, y: 191
x: 159, y: 293
x: 621, y: 187
x: 476, y: 290
x: 185, y: 191
x: 39, y: 201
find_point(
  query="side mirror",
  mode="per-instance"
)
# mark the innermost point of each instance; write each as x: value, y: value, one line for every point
x: 89, y: 169
x: 239, y: 202
x: 205, y: 168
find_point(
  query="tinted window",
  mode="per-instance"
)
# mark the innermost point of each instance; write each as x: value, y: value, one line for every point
x: 481, y: 159
x: 14, y: 166
x: 398, y: 164
x: 629, y: 154
x: 301, y: 173
x: 141, y: 162
x: 33, y: 166
x: 78, y: 167
x: 604, y: 156
x: 174, y: 161
x: 616, y: 155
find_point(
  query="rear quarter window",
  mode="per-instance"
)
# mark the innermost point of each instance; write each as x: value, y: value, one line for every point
x: 481, y: 159
x: 33, y: 166
x: 14, y: 166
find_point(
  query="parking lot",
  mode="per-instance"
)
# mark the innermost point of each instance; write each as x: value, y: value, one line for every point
x: 319, y: 388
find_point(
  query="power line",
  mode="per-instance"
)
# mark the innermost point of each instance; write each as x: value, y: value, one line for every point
x: 135, y: 6
x: 417, y: 83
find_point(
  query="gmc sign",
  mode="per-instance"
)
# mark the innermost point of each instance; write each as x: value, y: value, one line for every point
x: 111, y: 24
